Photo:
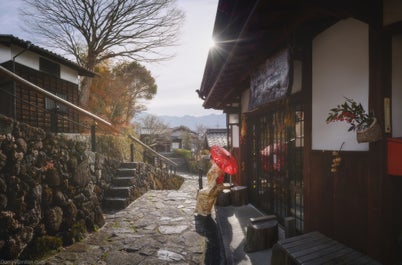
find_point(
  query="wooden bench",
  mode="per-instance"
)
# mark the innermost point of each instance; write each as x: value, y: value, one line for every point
x: 315, y: 248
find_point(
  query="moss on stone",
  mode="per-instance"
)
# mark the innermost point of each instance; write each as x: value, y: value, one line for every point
x: 75, y: 233
x: 44, y: 245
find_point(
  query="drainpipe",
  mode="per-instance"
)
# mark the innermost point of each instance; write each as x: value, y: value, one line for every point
x: 28, y: 45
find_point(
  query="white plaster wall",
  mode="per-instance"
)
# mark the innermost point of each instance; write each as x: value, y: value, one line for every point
x: 28, y: 59
x: 235, y: 136
x: 396, y: 86
x: 31, y: 60
x: 175, y: 146
x: 340, y: 69
x: 5, y: 54
x: 68, y: 74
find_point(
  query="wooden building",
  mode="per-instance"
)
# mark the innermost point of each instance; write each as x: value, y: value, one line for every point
x: 280, y: 66
x: 47, y: 70
x: 183, y: 138
x: 166, y: 140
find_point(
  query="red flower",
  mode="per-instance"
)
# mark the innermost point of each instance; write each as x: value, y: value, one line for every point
x: 352, y: 113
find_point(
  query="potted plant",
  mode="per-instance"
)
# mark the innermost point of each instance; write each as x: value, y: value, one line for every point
x: 365, y: 124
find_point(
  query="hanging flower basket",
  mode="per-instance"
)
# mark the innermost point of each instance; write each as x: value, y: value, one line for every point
x: 365, y: 124
x: 370, y: 134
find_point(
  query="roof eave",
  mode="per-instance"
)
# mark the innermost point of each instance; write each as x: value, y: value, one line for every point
x: 273, y: 25
x: 11, y: 39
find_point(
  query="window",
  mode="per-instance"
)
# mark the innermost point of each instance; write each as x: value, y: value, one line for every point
x: 52, y: 105
x: 49, y: 67
x: 276, y: 142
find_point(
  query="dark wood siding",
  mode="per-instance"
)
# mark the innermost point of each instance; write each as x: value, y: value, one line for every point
x: 359, y: 205
x: 339, y: 201
x: 31, y: 106
x: 6, y: 98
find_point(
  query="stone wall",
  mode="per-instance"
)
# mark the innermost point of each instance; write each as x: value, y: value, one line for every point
x: 51, y: 190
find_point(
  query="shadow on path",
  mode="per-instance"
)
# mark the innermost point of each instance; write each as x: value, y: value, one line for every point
x: 206, y: 226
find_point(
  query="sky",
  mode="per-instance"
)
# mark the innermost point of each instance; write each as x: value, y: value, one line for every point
x: 178, y: 78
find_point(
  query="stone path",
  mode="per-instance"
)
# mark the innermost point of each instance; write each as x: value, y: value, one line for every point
x: 157, y: 228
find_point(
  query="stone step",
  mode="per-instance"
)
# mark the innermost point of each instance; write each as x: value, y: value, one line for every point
x: 123, y: 181
x: 119, y: 192
x: 125, y: 172
x: 129, y: 165
x: 115, y: 203
x: 119, y: 195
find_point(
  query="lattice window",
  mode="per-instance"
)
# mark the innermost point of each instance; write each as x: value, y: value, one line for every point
x: 52, y: 105
x: 35, y: 109
x: 276, y: 143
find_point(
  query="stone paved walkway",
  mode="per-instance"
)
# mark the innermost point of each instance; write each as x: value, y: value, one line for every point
x: 157, y: 228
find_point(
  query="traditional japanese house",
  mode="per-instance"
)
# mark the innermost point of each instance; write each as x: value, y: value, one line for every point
x: 46, y: 70
x: 183, y: 138
x: 280, y: 66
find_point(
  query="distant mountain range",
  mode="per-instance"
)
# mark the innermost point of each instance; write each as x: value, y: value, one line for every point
x: 211, y: 121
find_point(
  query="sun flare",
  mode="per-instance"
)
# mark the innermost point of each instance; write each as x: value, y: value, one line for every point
x: 211, y: 43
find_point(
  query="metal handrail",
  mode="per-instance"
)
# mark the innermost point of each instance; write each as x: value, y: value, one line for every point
x: 42, y: 109
x: 152, y: 150
x: 23, y: 81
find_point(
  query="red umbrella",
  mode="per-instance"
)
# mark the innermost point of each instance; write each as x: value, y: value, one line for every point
x: 224, y: 159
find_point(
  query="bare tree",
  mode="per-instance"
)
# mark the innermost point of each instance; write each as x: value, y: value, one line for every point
x: 201, y: 131
x: 96, y: 30
x: 154, y: 129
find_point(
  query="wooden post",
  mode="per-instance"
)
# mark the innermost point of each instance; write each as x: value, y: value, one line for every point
x: 262, y: 233
x: 200, y: 178
x: 223, y: 198
x: 93, y: 137
x: 132, y: 152
x: 290, y: 227
x: 239, y: 195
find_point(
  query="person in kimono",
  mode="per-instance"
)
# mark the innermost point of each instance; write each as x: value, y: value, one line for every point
x: 206, y: 196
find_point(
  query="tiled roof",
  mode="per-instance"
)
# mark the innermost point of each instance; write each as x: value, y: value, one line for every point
x: 10, y: 39
x: 216, y: 137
